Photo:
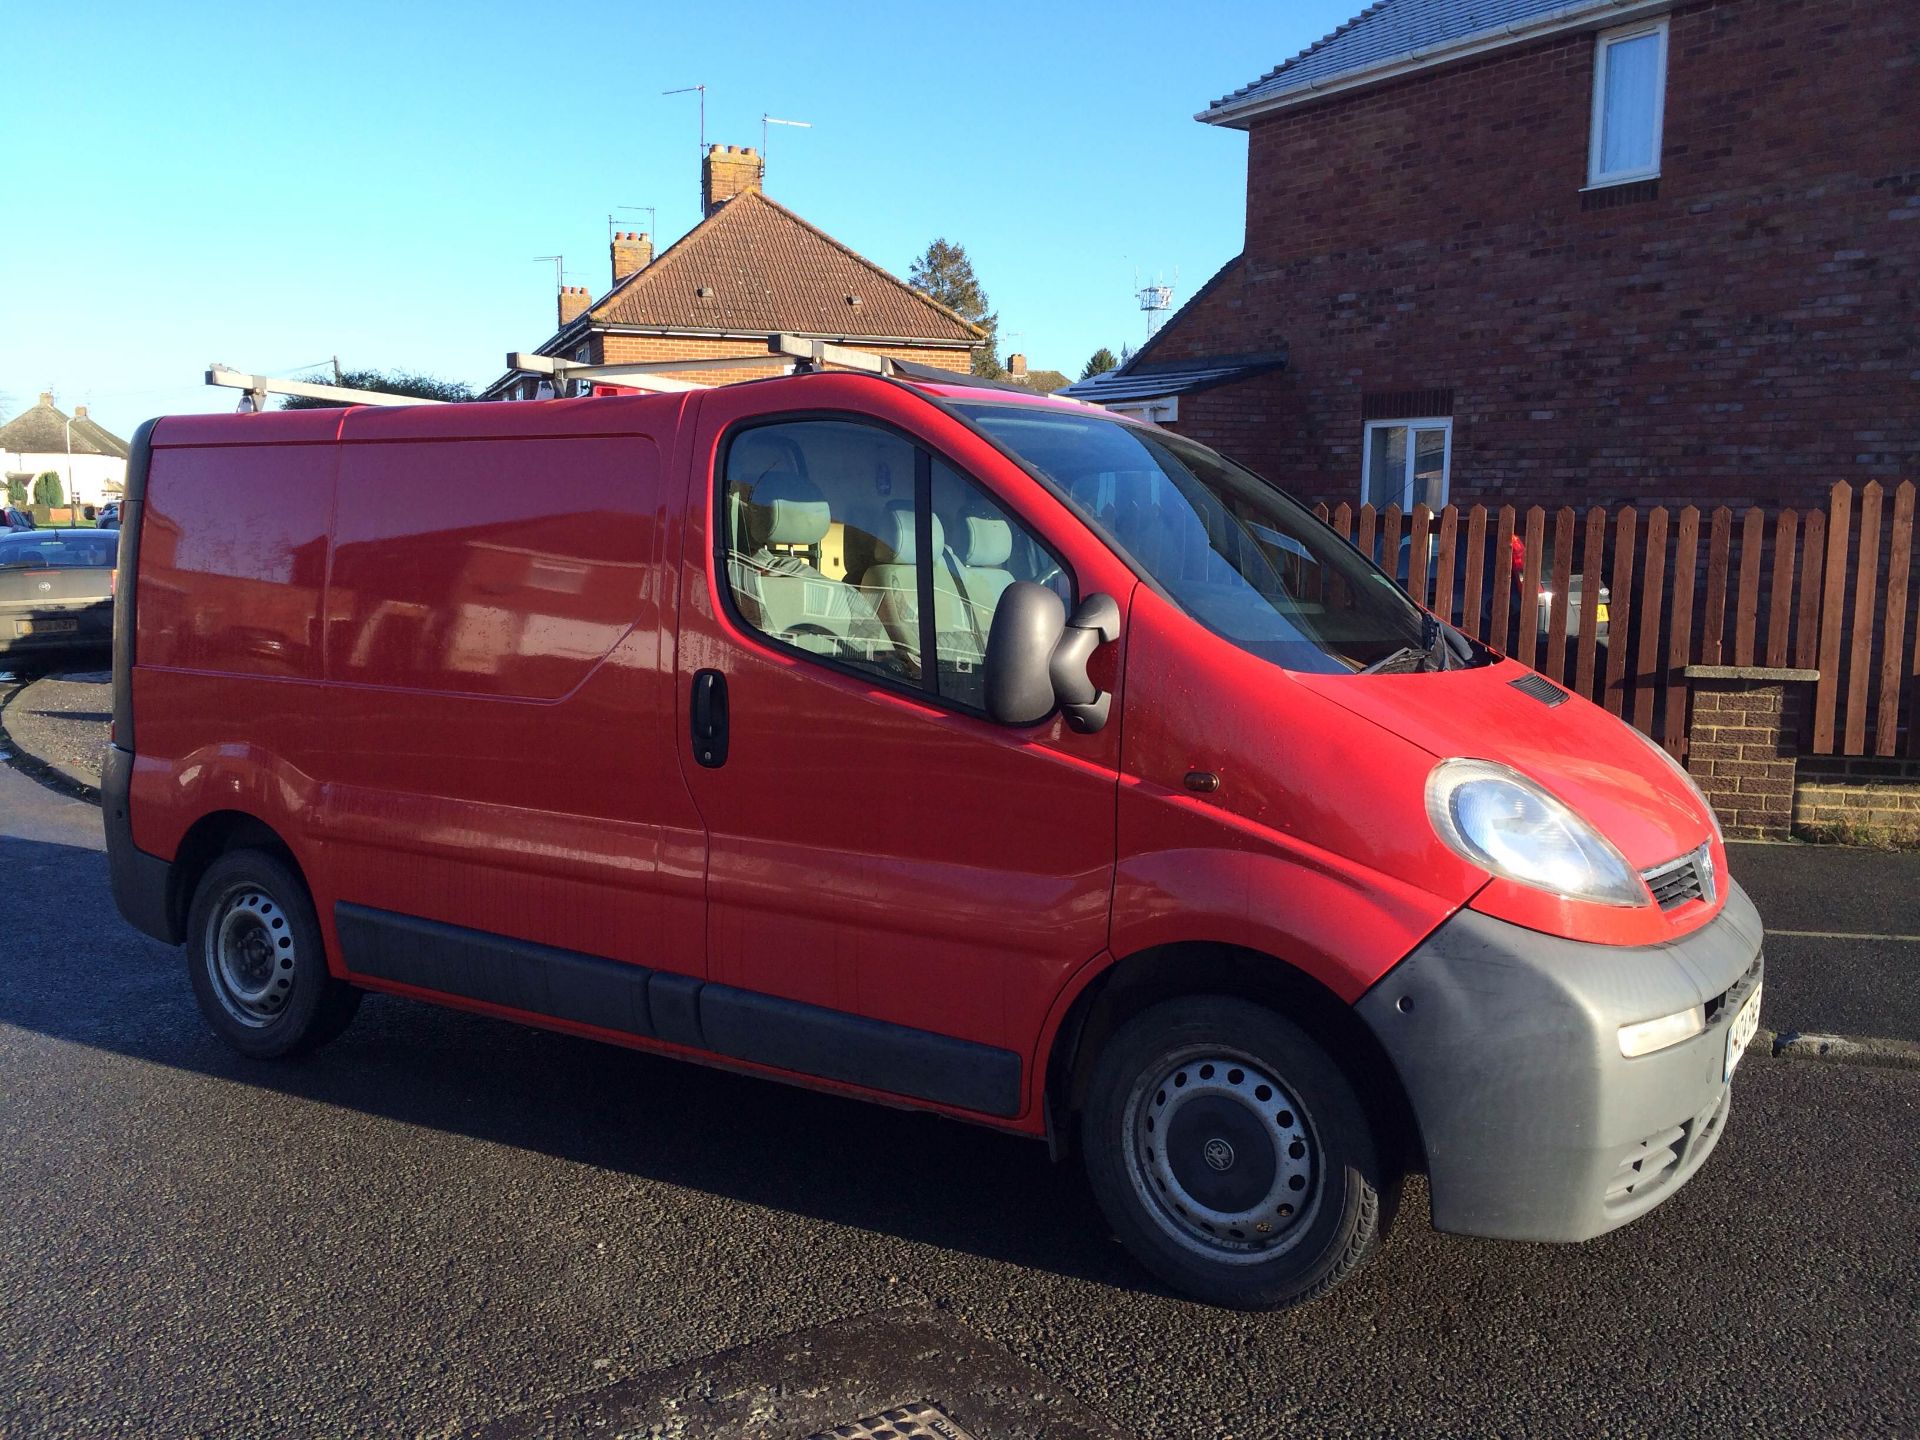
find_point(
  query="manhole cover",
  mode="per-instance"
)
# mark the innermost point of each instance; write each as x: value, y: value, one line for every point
x: 919, y: 1421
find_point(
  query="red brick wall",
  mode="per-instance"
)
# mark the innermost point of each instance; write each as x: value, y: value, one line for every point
x: 1747, y: 335
x: 623, y: 349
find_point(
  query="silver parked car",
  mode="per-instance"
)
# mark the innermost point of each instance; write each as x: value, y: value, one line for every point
x: 56, y: 589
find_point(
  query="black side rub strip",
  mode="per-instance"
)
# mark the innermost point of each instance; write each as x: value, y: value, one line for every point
x: 740, y: 1024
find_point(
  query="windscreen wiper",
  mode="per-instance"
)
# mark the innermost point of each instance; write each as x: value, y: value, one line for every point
x: 1428, y: 652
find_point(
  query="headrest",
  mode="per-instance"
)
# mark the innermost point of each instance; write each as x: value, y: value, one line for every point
x: 784, y: 509
x: 987, y: 541
x: 894, y: 545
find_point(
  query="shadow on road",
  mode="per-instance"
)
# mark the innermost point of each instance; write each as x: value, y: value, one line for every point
x: 914, y: 1176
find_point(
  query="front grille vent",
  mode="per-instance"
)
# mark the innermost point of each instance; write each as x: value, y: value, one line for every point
x: 1679, y: 881
x: 1642, y: 1169
x: 1541, y: 689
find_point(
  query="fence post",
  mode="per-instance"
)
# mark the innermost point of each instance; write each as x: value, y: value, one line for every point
x: 1866, y: 580
x: 1780, y: 597
x: 1592, y: 578
x: 1560, y: 607
x: 1713, y: 626
x: 1498, y: 577
x: 1622, y: 622
x: 1445, y: 566
x: 1833, y: 595
x: 1894, y: 626
x: 1476, y: 562
x: 1646, y: 663
x: 1686, y: 559
x: 1417, y: 555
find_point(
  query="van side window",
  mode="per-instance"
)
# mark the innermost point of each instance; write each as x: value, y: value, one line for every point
x: 823, y: 523
x: 983, y: 550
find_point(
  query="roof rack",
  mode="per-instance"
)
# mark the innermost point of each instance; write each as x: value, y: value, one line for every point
x: 258, y: 387
x: 804, y: 355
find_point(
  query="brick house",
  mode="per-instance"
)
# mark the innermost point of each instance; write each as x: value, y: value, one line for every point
x: 751, y: 268
x: 1567, y: 253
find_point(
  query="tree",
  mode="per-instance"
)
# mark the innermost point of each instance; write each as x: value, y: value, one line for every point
x: 1102, y: 361
x: 946, y: 274
x: 16, y: 490
x: 392, y: 382
x: 47, y: 489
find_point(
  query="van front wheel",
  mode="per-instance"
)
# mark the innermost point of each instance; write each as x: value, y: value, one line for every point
x: 255, y: 957
x: 1231, y: 1154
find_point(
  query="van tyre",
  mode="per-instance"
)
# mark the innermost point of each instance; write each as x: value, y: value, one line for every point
x: 1232, y: 1156
x: 257, y: 962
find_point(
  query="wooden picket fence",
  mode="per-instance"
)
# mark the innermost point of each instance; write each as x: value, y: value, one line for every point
x: 1827, y: 590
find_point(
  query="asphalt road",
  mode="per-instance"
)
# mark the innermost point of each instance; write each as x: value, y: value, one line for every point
x: 1843, y: 937
x: 443, y: 1220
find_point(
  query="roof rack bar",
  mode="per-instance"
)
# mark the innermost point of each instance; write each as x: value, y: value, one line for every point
x: 258, y: 387
x: 817, y: 354
x: 584, y: 370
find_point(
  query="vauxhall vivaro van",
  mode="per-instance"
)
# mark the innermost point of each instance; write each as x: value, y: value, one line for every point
x: 937, y: 744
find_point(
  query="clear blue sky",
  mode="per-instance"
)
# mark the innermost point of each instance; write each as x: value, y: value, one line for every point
x: 269, y: 186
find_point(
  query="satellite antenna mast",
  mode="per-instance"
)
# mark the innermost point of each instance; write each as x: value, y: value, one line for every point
x: 766, y: 120
x: 1155, y: 299
x: 701, y: 91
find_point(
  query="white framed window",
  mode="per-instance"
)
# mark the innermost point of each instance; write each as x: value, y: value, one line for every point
x: 1629, y: 103
x: 1406, y: 462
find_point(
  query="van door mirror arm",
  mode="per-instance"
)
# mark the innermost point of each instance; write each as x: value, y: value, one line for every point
x: 1094, y: 622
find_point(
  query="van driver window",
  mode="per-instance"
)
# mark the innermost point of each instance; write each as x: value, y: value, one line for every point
x: 822, y: 542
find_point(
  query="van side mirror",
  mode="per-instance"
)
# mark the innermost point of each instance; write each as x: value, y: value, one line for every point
x: 1037, y: 657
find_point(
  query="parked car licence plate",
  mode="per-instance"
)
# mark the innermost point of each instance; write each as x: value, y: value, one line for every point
x: 44, y: 627
x: 1746, y: 1024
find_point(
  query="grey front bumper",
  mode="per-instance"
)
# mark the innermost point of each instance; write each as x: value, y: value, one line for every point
x: 1507, y: 1043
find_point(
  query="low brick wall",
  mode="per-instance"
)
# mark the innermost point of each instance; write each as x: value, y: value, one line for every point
x: 1857, y: 797
x: 1743, y: 742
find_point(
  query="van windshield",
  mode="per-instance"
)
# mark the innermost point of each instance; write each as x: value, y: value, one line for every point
x: 1234, y: 552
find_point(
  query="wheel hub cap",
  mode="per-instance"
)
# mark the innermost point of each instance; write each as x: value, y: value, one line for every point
x: 1225, y: 1156
x: 250, y: 958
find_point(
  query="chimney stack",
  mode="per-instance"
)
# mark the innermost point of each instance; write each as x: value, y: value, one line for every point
x: 1016, y: 367
x: 574, y: 300
x: 79, y: 412
x: 632, y: 253
x: 726, y: 172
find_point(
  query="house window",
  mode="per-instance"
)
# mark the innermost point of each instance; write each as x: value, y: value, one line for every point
x: 1406, y: 463
x: 1629, y: 103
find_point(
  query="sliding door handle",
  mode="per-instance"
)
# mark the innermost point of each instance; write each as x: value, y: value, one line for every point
x: 709, y: 718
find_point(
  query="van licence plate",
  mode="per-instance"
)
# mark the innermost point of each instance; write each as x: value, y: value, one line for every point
x: 45, y: 627
x: 1746, y: 1024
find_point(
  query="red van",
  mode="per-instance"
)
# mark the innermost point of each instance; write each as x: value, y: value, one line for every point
x: 940, y: 745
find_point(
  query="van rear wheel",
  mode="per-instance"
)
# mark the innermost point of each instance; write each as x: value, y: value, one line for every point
x: 1232, y: 1156
x: 256, y: 960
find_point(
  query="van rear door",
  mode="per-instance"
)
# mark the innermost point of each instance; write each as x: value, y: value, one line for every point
x: 878, y: 850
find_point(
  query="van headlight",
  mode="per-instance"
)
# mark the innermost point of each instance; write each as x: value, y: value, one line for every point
x: 1496, y: 818
x: 1685, y: 779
